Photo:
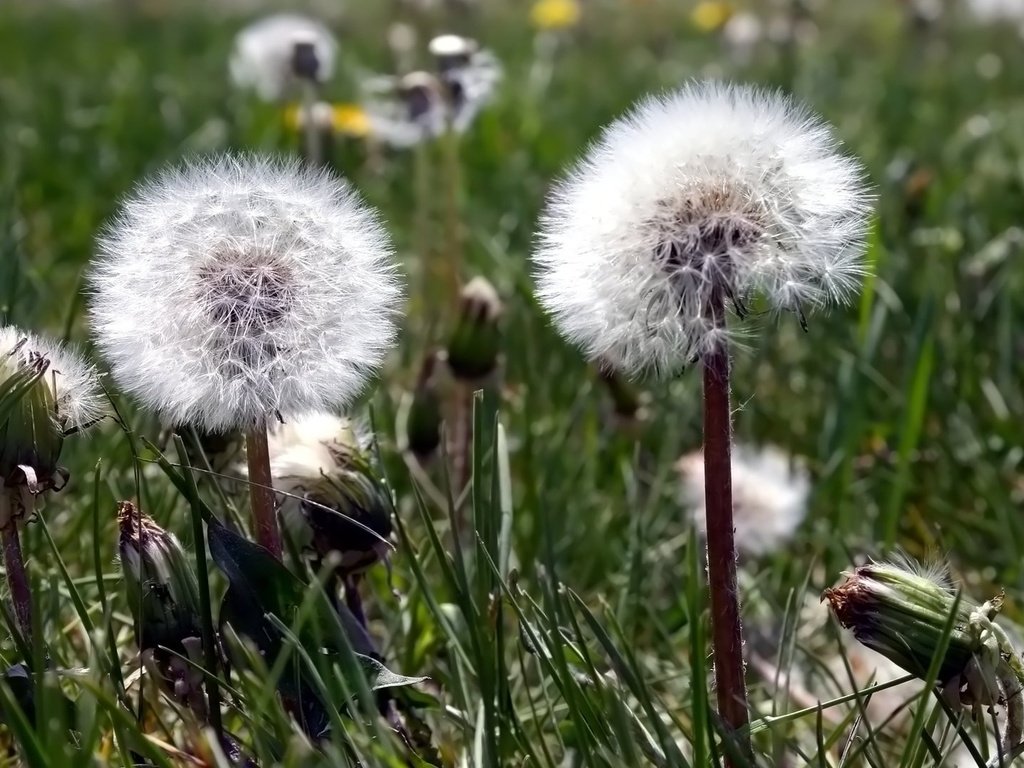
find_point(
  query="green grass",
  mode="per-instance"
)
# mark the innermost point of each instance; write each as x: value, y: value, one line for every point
x: 574, y: 630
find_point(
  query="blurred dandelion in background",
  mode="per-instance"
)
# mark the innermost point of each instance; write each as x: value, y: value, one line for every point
x: 770, y: 492
x: 271, y: 55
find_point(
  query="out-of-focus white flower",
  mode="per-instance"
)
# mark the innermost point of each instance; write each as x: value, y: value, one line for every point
x: 406, y: 110
x: 712, y: 193
x: 994, y: 11
x: 235, y: 290
x: 271, y: 53
x: 741, y: 35
x: 769, y: 491
x: 329, y: 495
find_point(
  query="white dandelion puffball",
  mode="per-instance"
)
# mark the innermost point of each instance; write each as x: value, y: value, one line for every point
x: 234, y: 291
x: 711, y: 194
x: 73, y: 383
x: 305, y: 449
x: 264, y: 55
x: 769, y: 494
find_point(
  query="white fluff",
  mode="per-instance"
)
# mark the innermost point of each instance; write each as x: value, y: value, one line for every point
x: 262, y: 55
x: 769, y: 492
x: 237, y: 289
x: 713, y: 188
x: 73, y: 382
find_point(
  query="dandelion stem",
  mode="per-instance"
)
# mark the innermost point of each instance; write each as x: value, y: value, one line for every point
x: 727, y: 636
x: 452, y: 214
x: 461, y: 447
x: 313, y: 144
x: 261, y: 491
x: 17, y: 578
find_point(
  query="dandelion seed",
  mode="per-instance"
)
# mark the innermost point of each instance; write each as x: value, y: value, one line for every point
x: 713, y: 192
x: 237, y: 290
x: 272, y: 53
x: 770, y: 492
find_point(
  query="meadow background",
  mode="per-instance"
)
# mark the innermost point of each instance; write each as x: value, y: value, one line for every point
x: 586, y: 644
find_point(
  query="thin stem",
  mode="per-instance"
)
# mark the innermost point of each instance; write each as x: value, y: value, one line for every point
x: 313, y: 140
x: 726, y: 630
x: 261, y: 491
x: 452, y: 212
x: 17, y: 578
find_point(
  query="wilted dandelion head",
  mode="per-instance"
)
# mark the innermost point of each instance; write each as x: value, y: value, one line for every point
x: 769, y: 490
x: 72, y: 383
x: 713, y: 194
x: 236, y: 290
x: 271, y: 53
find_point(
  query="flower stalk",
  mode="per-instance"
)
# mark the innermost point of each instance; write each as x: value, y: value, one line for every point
x: 14, y: 567
x: 726, y: 625
x: 261, y: 491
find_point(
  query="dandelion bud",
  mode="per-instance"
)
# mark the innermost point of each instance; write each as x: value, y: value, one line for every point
x: 421, y: 94
x: 240, y: 290
x: 475, y: 344
x: 163, y: 594
x: 272, y: 53
x: 422, y: 426
x: 904, y: 614
x: 332, y: 500
x: 46, y: 393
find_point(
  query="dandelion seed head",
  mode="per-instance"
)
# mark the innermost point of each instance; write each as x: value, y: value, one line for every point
x: 72, y: 381
x: 769, y: 490
x: 234, y: 290
x: 712, y: 191
x: 265, y: 58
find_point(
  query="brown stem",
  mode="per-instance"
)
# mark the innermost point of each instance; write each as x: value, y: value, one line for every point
x: 727, y: 635
x: 261, y: 491
x: 17, y: 579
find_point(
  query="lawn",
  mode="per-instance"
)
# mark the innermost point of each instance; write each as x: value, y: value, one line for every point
x: 560, y: 614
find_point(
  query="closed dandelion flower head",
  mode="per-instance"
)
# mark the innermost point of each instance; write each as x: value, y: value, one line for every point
x: 72, y: 383
x: 271, y: 53
x: 715, y: 193
x: 770, y: 493
x: 236, y: 290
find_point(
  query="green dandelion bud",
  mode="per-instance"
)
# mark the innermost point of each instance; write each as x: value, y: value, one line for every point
x: 905, y: 615
x: 423, y: 417
x: 46, y: 393
x: 163, y: 594
x: 475, y: 344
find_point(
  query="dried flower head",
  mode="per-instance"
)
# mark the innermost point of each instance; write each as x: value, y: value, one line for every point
x: 238, y: 290
x: 902, y: 611
x: 270, y: 54
x: 47, y: 392
x: 711, y: 194
x: 331, y: 499
x: 769, y: 491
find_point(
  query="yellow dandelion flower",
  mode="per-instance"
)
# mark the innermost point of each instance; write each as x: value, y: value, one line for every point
x: 555, y: 14
x: 711, y: 15
x: 292, y: 117
x: 350, y: 120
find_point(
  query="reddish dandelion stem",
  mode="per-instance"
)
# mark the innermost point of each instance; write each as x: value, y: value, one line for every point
x: 727, y: 636
x: 261, y: 491
x: 17, y: 579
